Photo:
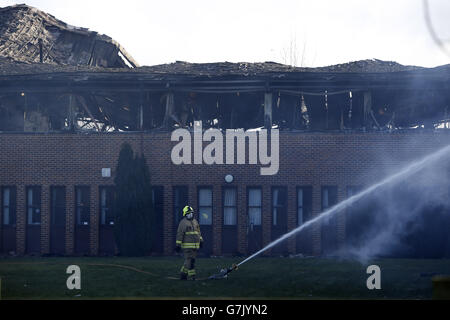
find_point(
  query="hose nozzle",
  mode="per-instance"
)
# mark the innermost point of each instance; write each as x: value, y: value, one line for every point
x: 223, y: 274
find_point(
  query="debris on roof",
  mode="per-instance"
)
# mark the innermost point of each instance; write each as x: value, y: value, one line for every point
x: 246, y: 68
x: 56, y: 77
x: 30, y: 35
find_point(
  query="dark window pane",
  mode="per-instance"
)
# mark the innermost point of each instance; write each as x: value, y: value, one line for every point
x: 158, y: 199
x: 107, y: 206
x: 205, y: 206
x: 229, y: 206
x: 33, y: 195
x: 254, y: 206
x: 9, y: 205
x: 82, y: 198
x: 329, y: 197
x: 180, y: 197
x: 304, y: 204
x: 279, y: 207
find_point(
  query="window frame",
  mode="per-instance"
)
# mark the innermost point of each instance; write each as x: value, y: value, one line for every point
x: 201, y: 206
x: 88, y: 205
x: 154, y: 190
x: 33, y: 205
x: 359, y: 188
x: 12, y: 206
x: 177, y: 209
x: 249, y: 206
x: 306, y: 210
x: 273, y: 207
x: 111, y: 215
x: 226, y: 206
x: 328, y: 187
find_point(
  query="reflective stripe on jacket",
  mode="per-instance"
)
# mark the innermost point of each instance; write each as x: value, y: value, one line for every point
x: 188, y: 234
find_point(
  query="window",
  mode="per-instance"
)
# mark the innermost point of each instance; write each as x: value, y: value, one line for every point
x: 254, y: 206
x: 279, y: 206
x: 58, y: 206
x: 352, y: 190
x: 180, y: 200
x: 205, y: 206
x: 229, y: 206
x: 304, y: 204
x: 9, y: 205
x: 107, y: 205
x: 329, y: 197
x: 33, y: 205
x: 158, y: 200
x: 82, y: 205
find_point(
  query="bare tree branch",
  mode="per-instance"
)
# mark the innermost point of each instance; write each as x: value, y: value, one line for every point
x: 434, y: 36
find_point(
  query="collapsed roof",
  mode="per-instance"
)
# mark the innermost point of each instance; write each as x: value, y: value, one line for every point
x: 83, y: 82
x: 222, y: 76
x: 30, y: 35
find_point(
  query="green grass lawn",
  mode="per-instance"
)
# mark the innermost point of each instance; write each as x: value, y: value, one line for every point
x: 311, y: 278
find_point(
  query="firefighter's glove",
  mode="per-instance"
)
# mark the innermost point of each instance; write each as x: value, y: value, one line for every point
x: 177, y: 249
x: 201, y: 244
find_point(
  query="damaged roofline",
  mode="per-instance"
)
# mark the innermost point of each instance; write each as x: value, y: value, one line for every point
x: 136, y: 83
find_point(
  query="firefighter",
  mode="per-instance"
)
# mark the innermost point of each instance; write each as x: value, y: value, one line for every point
x: 189, y: 239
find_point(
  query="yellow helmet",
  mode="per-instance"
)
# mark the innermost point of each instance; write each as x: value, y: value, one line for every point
x: 187, y: 210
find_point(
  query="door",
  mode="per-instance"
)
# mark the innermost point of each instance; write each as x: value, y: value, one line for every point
x: 57, y: 220
x: 229, y: 230
x: 33, y: 230
x: 107, y: 242
x: 82, y: 220
x: 158, y: 211
x: 205, y: 218
x: 329, y: 224
x: 355, y: 219
x: 254, y: 211
x: 8, y: 223
x: 304, y: 213
x: 279, y: 218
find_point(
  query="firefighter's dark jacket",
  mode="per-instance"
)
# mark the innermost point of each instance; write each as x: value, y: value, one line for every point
x: 188, y: 234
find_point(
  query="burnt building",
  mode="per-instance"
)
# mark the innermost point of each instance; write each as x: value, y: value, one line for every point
x: 69, y: 98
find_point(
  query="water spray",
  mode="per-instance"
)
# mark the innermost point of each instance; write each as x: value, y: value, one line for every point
x: 407, y: 171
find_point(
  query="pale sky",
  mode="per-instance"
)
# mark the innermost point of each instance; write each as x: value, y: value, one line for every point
x: 325, y: 32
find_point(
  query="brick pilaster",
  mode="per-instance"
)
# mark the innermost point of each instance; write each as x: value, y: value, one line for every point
x: 316, y: 227
x: 341, y: 196
x: 21, y: 220
x: 168, y: 236
x: 94, y: 220
x: 217, y: 220
x: 70, y: 219
x: 291, y: 216
x: 242, y: 219
x: 266, y: 213
x: 45, y: 219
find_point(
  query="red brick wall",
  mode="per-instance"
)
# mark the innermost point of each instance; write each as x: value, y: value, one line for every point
x: 314, y: 159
